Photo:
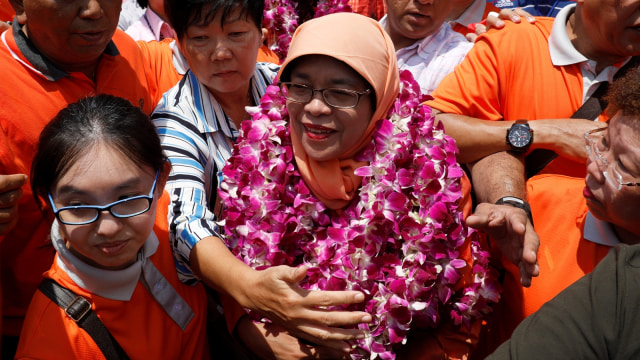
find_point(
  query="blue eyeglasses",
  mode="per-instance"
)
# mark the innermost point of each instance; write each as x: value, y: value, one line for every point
x: 86, y: 214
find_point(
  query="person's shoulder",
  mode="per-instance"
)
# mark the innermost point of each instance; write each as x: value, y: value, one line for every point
x: 125, y: 44
x: 542, y: 28
x: 179, y: 102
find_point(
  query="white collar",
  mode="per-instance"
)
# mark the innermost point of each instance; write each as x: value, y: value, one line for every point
x: 110, y: 284
x: 179, y: 61
x: 562, y: 50
x: 473, y: 14
x: 599, y: 232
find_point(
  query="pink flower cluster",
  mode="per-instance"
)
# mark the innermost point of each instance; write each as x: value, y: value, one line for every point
x: 282, y: 20
x: 402, y: 241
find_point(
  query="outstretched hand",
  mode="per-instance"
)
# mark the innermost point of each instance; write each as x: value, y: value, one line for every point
x: 512, y: 231
x: 274, y: 292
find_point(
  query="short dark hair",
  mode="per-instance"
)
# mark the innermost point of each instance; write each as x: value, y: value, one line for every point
x: 624, y: 94
x: 80, y: 126
x: 183, y: 13
x: 143, y: 3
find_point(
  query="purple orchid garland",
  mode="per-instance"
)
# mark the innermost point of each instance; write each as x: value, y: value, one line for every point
x: 398, y: 241
x: 281, y: 19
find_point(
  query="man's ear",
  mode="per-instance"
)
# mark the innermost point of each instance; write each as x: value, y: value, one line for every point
x: 18, y: 7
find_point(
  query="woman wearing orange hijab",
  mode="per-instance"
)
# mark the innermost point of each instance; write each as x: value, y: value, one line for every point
x: 342, y: 170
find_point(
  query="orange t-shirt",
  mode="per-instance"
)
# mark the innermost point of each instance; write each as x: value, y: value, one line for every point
x: 141, y: 326
x: 508, y: 75
x: 267, y: 55
x: 32, y: 91
x: 464, y: 30
x: 559, y: 211
x: 6, y: 11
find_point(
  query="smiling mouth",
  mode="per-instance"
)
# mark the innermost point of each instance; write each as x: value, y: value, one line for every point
x: 316, y: 132
x: 112, y: 248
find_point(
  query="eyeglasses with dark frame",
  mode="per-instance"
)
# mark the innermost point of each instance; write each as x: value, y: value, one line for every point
x: 86, y: 214
x: 596, y: 149
x: 334, y: 97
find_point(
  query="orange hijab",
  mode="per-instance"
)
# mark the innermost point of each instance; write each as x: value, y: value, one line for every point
x: 361, y: 43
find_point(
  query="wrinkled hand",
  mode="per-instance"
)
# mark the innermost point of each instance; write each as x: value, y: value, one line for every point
x: 511, y: 229
x: 10, y: 193
x: 272, y: 342
x: 4, y: 26
x: 497, y: 21
x: 274, y: 292
x: 564, y: 136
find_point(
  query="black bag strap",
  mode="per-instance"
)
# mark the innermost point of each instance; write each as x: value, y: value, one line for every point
x: 79, y: 310
x: 538, y: 159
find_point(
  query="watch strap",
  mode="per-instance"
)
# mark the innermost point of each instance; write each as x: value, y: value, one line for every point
x: 516, y: 202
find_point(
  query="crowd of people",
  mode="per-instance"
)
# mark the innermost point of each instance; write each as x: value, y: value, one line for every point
x: 380, y: 179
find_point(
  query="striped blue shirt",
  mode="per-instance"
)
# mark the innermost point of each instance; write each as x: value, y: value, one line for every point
x: 198, y: 138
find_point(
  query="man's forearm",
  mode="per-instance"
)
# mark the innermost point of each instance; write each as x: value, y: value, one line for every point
x: 498, y: 175
x: 475, y: 138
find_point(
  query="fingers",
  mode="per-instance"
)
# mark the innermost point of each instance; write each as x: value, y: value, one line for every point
x: 311, y: 351
x: 495, y: 20
x: 523, y: 14
x: 529, y: 265
x: 332, y: 338
x: 10, y: 193
x: 10, y: 185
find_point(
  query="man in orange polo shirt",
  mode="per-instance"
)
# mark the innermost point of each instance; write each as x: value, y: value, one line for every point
x: 543, y: 72
x: 578, y: 220
x: 55, y: 54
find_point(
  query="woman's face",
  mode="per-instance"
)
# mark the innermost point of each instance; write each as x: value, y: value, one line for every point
x: 223, y: 58
x: 621, y: 148
x: 99, y: 177
x: 326, y: 132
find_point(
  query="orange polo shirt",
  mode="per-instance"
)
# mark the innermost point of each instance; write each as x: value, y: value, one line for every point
x: 32, y: 91
x: 559, y: 210
x: 508, y: 75
x: 141, y: 326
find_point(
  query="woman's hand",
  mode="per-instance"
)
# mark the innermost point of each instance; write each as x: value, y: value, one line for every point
x: 495, y: 20
x: 272, y: 342
x: 275, y: 293
x: 10, y: 193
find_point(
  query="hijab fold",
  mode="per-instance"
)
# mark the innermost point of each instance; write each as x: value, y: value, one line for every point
x: 361, y: 43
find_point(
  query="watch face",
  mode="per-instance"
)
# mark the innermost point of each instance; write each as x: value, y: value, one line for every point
x: 519, y: 136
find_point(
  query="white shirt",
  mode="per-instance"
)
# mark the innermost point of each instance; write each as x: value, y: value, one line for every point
x: 432, y: 58
x: 599, y: 232
x: 150, y: 27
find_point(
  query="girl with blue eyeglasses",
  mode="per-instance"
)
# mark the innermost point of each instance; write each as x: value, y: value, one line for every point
x: 101, y: 172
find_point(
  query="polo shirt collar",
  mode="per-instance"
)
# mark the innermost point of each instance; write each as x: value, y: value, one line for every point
x: 110, y: 284
x: 39, y: 61
x: 562, y: 50
x: 473, y: 14
x: 599, y: 232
